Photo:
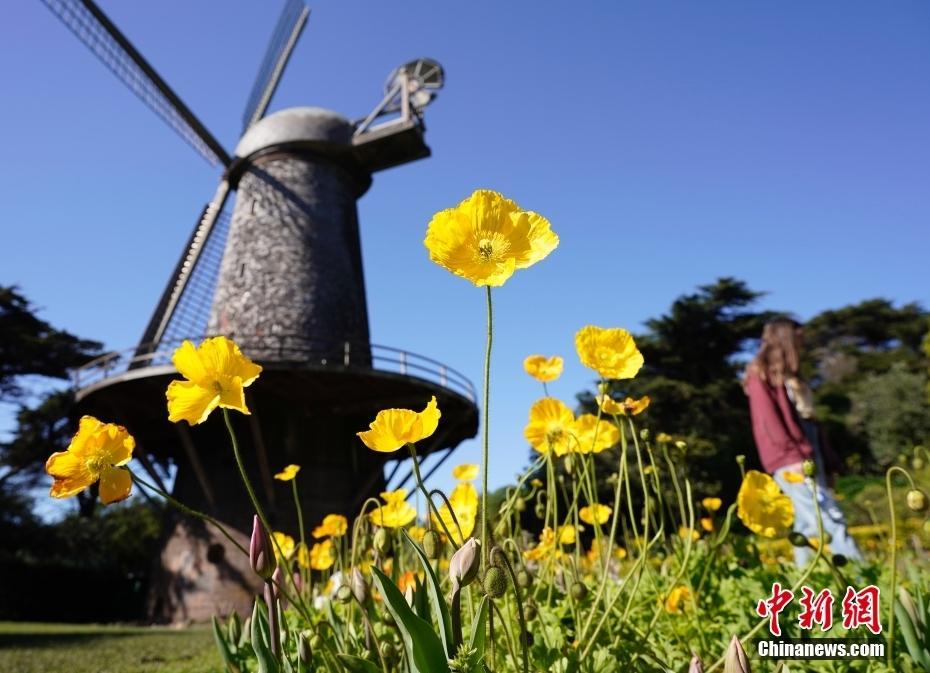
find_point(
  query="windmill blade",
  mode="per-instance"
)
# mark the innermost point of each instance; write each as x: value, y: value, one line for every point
x: 116, y: 52
x: 185, y: 303
x: 286, y: 33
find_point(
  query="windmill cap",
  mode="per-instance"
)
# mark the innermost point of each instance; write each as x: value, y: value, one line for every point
x: 296, y: 125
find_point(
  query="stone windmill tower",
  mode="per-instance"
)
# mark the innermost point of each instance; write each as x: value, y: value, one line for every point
x: 280, y: 271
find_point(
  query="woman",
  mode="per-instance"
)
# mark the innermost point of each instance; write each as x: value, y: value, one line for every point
x: 787, y: 434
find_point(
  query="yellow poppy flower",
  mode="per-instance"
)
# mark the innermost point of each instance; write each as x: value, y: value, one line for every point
x: 543, y: 369
x: 711, y: 504
x: 487, y: 237
x: 543, y: 548
x: 96, y: 452
x: 322, y: 555
x: 416, y: 533
x: 628, y: 407
x: 395, y: 428
x: 707, y: 524
x: 550, y: 426
x: 620, y: 553
x: 396, y: 512
x: 217, y: 374
x: 334, y: 525
x: 592, y: 435
x: 568, y: 534
x: 762, y: 507
x: 678, y: 600
x: 288, y: 473
x: 595, y: 512
x: 793, y: 477
x: 464, y: 501
x: 612, y: 353
x: 684, y: 532
x: 284, y: 544
x: 465, y: 472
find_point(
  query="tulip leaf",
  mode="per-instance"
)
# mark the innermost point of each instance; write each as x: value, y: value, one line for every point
x: 223, y: 647
x: 440, y: 609
x: 260, y: 640
x: 478, y: 635
x: 355, y: 664
x: 425, y: 652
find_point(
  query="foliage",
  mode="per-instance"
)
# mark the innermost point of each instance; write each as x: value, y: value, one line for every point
x: 889, y: 411
x: 30, y: 346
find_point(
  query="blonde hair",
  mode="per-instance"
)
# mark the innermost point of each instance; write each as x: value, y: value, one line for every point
x: 778, y: 358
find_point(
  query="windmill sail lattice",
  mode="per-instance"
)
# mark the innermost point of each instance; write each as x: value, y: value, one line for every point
x: 92, y: 27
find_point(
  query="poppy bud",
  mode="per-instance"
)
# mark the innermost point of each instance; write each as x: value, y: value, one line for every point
x: 524, y: 578
x: 797, y: 539
x: 261, y: 557
x: 696, y: 665
x: 388, y: 652
x: 344, y: 594
x: 735, y: 661
x: 809, y: 468
x: 530, y: 611
x: 579, y: 591
x: 741, y: 460
x: 316, y: 642
x: 839, y: 560
x: 681, y: 444
x: 540, y: 510
x: 917, y: 463
x: 304, y: 651
x: 387, y: 617
x: 359, y: 585
x: 432, y: 544
x: 916, y: 500
x: 382, y: 543
x: 520, y: 505
x: 495, y: 582
x: 463, y: 567
x: 644, y: 434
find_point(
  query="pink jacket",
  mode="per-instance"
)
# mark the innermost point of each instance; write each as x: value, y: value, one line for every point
x: 778, y: 434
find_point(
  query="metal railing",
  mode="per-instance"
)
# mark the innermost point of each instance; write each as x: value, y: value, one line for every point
x: 283, y: 348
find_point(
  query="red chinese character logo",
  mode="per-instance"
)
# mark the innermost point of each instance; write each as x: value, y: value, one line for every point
x: 816, y: 609
x: 861, y: 608
x: 773, y: 607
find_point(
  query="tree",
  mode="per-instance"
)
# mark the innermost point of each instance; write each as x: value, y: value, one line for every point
x: 30, y: 346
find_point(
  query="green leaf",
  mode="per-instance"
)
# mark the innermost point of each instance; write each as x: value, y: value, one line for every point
x: 260, y: 640
x: 223, y: 647
x: 440, y: 609
x: 357, y: 664
x: 424, y: 649
x: 479, y: 632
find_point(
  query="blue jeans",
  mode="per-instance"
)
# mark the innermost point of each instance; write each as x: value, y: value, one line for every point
x: 805, y: 516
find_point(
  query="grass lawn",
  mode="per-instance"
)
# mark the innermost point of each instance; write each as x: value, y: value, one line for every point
x: 91, y: 648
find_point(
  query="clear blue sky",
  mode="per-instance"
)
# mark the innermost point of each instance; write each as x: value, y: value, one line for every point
x: 784, y: 143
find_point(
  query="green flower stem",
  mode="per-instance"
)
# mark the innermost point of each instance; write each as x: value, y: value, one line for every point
x: 187, y: 510
x: 485, y: 543
x: 259, y: 510
x: 300, y: 525
x: 517, y: 491
x: 894, y: 554
x: 455, y: 519
x: 429, y: 501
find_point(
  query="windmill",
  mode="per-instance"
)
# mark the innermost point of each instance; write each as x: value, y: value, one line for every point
x: 278, y: 268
